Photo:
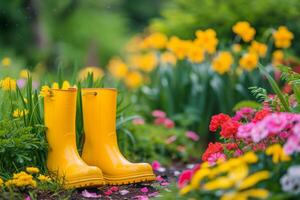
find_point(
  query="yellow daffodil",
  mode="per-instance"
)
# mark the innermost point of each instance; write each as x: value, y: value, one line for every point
x: 245, y: 195
x: 146, y: 62
x: 6, y: 62
x: 55, y: 85
x: 259, y: 48
x: 32, y: 170
x: 66, y: 85
x: 207, y: 40
x: 21, y: 179
x: 133, y: 79
x: 117, y: 68
x: 222, y: 63
x: 96, y: 71
x: 236, y: 48
x: 195, y: 54
x: 20, y: 113
x: 155, y: 41
x: 244, y: 30
x: 8, y: 84
x: 277, y: 57
x: 44, y: 178
x: 24, y: 73
x: 45, y: 91
x: 1, y: 182
x: 248, y: 61
x: 254, y: 179
x: 283, y: 37
x: 278, y: 153
x: 179, y: 47
x: 168, y: 58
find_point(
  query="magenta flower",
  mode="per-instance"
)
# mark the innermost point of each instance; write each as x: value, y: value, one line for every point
x: 21, y: 83
x: 159, y: 121
x: 245, y: 130
x: 185, y: 178
x: 275, y: 122
x: 156, y: 165
x: 144, y: 190
x: 192, y: 135
x: 158, y: 114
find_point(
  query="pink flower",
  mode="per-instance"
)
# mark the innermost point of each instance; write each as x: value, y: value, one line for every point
x: 88, y: 194
x: 114, y: 188
x: 138, y: 121
x: 213, y: 158
x: 144, y: 190
x: 123, y: 192
x: 259, y: 132
x: 108, y: 192
x: 141, y: 197
x: 159, y: 121
x: 171, y: 139
x: 159, y: 178
x: 292, y: 145
x: 156, y: 165
x: 169, y: 123
x: 185, y: 177
x: 165, y: 183
x: 238, y: 153
x: 27, y: 198
x: 192, y: 135
x: 244, y: 113
x: 275, y: 122
x: 244, y: 131
x: 158, y: 114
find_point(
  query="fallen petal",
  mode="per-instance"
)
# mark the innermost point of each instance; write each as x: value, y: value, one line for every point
x: 144, y: 190
x: 88, y: 194
x: 123, y: 192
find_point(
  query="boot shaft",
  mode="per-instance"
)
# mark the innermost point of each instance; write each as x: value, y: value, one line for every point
x: 99, y: 110
x: 60, y: 114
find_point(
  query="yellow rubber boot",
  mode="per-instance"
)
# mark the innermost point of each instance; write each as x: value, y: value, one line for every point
x: 63, y: 158
x: 101, y: 147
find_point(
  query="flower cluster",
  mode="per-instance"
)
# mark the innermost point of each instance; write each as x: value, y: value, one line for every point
x: 231, y: 179
x: 161, y: 119
x: 8, y: 84
x: 145, y: 54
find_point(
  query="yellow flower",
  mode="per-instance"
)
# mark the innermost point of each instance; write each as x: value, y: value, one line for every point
x: 21, y: 179
x: 1, y: 182
x: 133, y: 79
x: 179, y: 47
x: 207, y: 40
x: 259, y: 48
x: 219, y: 183
x: 198, y: 176
x: 6, y: 62
x: 20, y: 113
x: 196, y: 54
x: 44, y: 178
x: 249, y: 157
x: 254, y: 179
x: 244, y: 30
x: 24, y: 73
x: 8, y: 84
x: 277, y: 57
x: 155, y: 41
x: 283, y: 37
x: 55, y: 85
x: 186, y: 190
x: 146, y: 62
x: 117, y: 68
x: 96, y: 71
x: 236, y: 48
x: 278, y: 153
x: 222, y: 63
x: 45, y: 91
x: 252, y: 193
x: 248, y: 61
x: 66, y: 85
x: 168, y: 58
x: 32, y: 170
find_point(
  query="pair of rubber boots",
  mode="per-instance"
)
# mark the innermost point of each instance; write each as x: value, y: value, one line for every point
x: 101, y: 162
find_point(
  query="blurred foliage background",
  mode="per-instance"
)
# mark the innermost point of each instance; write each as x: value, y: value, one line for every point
x: 88, y: 32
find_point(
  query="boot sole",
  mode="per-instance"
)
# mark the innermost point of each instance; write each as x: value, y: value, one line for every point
x: 129, y: 180
x: 88, y: 182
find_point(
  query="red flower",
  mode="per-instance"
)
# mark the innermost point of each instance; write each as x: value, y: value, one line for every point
x: 211, y: 149
x: 229, y: 128
x: 217, y: 121
x: 185, y: 177
x: 260, y: 115
x: 231, y: 146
